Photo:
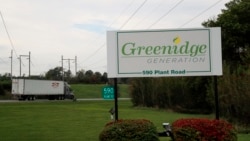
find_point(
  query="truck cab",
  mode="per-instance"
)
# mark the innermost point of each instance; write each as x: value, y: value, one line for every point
x: 68, y: 91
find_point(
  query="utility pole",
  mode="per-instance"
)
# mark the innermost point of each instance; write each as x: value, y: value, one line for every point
x: 20, y: 62
x: 20, y: 58
x: 62, y: 70
x: 11, y: 60
x: 69, y: 64
x: 29, y: 64
x: 75, y: 64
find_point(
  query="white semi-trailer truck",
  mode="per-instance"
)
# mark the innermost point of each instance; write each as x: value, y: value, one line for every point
x: 31, y: 89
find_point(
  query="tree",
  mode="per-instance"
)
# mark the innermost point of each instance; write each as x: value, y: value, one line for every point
x: 54, y: 74
x: 97, y: 77
x: 88, y: 76
x: 80, y: 76
x: 235, y: 24
x: 2, y: 92
x: 233, y: 86
x: 104, y: 77
x: 67, y: 75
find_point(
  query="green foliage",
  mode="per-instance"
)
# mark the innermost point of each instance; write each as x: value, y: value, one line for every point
x: 5, y: 85
x: 142, y: 92
x: 129, y: 130
x: 88, y: 77
x: 54, y: 74
x: 234, y: 95
x: 2, y: 92
x: 233, y: 87
x: 235, y: 24
x: 203, y: 130
x: 183, y: 94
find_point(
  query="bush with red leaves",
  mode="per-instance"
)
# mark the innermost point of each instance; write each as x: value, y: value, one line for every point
x: 203, y: 130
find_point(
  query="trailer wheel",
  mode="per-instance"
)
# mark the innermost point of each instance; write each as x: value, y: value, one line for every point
x: 51, y: 97
x: 20, y: 98
x: 23, y: 97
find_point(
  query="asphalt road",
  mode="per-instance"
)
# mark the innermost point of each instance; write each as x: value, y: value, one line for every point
x: 79, y: 99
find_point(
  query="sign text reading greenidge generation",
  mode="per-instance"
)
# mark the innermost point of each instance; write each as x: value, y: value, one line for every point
x: 131, y: 49
x: 175, y: 52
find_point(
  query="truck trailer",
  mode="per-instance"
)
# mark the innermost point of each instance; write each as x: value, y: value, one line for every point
x: 31, y: 89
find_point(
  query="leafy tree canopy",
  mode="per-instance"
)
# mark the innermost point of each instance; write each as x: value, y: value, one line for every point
x: 235, y: 24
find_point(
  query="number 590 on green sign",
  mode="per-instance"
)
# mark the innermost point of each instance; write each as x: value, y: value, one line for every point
x: 108, y: 92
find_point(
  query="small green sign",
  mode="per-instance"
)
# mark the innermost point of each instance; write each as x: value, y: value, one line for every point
x: 108, y: 92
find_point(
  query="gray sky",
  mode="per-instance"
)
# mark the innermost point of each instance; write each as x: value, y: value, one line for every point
x: 50, y: 29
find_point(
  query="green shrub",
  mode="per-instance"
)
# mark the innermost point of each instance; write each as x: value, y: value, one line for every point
x: 1, y: 90
x: 203, y: 130
x: 6, y: 85
x: 129, y: 130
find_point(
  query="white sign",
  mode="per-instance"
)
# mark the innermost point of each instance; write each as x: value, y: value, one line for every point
x: 156, y: 53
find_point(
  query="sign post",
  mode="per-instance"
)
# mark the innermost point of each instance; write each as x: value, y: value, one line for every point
x: 116, y: 99
x: 217, y: 113
x: 110, y: 92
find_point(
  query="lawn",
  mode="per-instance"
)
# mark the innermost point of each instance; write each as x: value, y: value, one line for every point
x: 95, y: 90
x: 73, y: 121
x: 76, y: 121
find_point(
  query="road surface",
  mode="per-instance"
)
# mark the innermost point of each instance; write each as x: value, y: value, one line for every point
x: 79, y: 99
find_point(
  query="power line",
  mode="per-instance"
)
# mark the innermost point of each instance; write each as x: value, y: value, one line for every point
x: 120, y: 28
x: 166, y: 14
x: 150, y: 12
x: 157, y: 21
x: 5, y: 27
x: 131, y: 18
x: 3, y: 60
x: 97, y: 62
x: 200, y: 13
x: 140, y: 6
x: 187, y: 21
x: 94, y: 52
x: 133, y: 14
x: 121, y: 13
x: 108, y: 27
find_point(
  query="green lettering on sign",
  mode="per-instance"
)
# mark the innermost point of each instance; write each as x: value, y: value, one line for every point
x: 108, y: 92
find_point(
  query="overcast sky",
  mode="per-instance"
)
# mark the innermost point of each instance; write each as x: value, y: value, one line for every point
x: 50, y: 29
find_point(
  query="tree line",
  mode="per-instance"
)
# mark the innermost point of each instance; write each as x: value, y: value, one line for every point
x: 82, y: 76
x: 85, y: 77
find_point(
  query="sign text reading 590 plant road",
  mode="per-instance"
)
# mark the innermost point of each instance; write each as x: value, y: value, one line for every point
x: 155, y: 53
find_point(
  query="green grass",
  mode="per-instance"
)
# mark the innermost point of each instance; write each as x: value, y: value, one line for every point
x: 73, y: 121
x: 95, y: 90
x: 76, y: 121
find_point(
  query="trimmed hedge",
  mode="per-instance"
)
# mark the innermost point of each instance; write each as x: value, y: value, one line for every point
x: 129, y: 130
x: 203, y: 130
